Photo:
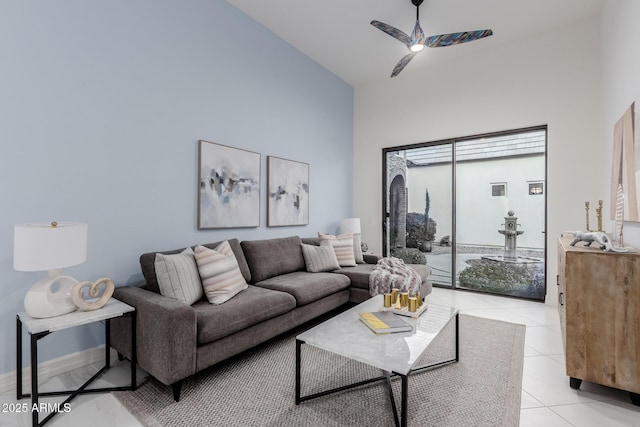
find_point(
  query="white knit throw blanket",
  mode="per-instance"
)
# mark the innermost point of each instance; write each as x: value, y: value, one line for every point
x: 392, y: 273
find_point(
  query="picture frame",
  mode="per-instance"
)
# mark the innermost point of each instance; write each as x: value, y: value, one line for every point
x: 228, y: 187
x: 288, y: 192
x: 625, y: 171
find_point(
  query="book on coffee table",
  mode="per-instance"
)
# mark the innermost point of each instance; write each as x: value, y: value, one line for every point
x: 384, y: 322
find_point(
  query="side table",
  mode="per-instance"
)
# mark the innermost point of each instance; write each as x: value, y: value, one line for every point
x: 40, y: 328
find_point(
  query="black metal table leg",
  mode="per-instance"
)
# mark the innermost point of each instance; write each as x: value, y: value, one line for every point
x: 298, y: 349
x: 396, y: 419
x: 107, y: 343
x: 403, y: 403
x: 457, y: 337
x: 34, y: 379
x: 134, y: 352
x: 18, y: 358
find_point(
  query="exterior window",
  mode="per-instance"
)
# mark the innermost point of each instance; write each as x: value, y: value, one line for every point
x: 536, y: 188
x: 499, y: 189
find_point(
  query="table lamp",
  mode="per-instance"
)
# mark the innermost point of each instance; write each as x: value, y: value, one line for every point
x: 49, y: 247
x: 350, y: 225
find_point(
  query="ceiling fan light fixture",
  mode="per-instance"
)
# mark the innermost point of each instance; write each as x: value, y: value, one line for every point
x: 417, y: 41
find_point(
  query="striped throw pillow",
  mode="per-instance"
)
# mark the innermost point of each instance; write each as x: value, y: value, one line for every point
x: 178, y: 276
x: 319, y: 258
x: 219, y: 272
x: 342, y: 245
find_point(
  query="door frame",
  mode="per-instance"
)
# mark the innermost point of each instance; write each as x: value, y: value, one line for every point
x: 452, y: 142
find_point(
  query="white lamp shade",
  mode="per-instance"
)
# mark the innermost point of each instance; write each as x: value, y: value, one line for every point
x: 350, y: 225
x: 41, y: 246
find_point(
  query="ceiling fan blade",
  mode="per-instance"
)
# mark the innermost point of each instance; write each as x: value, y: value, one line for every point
x: 418, y: 35
x: 444, y: 40
x: 392, y: 31
x: 402, y: 63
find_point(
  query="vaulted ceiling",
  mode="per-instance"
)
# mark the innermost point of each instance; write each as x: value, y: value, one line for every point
x: 337, y: 34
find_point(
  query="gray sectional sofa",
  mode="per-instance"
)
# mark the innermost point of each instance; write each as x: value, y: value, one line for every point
x: 175, y: 340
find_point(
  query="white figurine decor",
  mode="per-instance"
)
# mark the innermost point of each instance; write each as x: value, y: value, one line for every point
x: 94, y: 290
x: 596, y: 236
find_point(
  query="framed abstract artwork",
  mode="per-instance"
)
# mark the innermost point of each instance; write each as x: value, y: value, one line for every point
x: 288, y: 196
x: 228, y: 187
x: 625, y: 172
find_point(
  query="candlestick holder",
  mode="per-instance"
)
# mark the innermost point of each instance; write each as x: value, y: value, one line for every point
x: 599, y: 215
x: 586, y: 217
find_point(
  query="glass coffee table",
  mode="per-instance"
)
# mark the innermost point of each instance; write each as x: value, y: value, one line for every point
x: 395, y: 354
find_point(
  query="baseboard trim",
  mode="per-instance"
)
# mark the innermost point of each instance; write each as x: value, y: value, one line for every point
x: 51, y: 368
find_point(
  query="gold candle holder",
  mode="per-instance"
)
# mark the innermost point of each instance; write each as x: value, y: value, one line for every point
x: 418, y: 298
x: 394, y: 295
x: 413, y: 304
x: 387, y: 300
x: 397, y: 305
x: 404, y: 299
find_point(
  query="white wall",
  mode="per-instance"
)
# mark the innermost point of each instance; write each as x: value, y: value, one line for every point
x: 479, y: 214
x: 552, y: 79
x: 620, y: 85
x: 435, y: 179
x: 102, y: 105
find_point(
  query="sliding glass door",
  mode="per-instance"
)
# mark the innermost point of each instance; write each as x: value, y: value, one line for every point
x: 473, y: 209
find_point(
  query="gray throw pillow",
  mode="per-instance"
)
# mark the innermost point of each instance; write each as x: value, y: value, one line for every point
x: 178, y: 276
x: 319, y: 258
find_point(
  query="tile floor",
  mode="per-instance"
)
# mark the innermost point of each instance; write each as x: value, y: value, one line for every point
x: 547, y: 399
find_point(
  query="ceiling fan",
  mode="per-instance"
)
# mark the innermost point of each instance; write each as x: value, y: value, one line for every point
x: 417, y: 41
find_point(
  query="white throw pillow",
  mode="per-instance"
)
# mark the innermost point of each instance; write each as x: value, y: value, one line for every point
x: 219, y: 272
x: 178, y: 276
x: 357, y: 248
x: 342, y: 245
x: 319, y: 258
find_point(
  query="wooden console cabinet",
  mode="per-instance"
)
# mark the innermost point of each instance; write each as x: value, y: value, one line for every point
x: 599, y: 307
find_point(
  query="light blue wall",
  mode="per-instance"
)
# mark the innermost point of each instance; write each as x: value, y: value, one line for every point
x: 101, y: 107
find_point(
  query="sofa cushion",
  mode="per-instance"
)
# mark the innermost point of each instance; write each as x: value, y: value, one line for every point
x: 343, y: 245
x: 318, y: 259
x: 272, y: 257
x: 307, y: 287
x: 250, y: 307
x: 359, y: 274
x: 147, y: 263
x: 219, y: 272
x: 178, y: 276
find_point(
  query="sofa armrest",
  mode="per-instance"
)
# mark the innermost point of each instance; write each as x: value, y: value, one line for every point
x: 166, y: 337
x: 371, y: 259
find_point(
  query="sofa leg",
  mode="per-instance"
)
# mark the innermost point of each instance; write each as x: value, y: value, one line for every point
x: 176, y: 387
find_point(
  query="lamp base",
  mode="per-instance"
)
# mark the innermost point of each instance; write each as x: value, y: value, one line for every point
x: 50, y: 297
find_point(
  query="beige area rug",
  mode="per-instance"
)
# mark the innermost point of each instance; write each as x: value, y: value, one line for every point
x: 257, y: 387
